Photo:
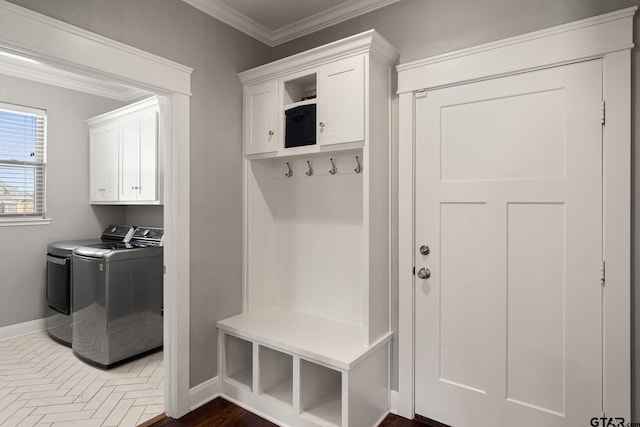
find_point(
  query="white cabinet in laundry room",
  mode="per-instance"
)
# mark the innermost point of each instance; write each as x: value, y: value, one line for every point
x: 103, y: 152
x: 125, y: 163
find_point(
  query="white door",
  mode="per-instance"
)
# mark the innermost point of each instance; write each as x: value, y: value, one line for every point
x: 509, y: 200
x: 340, y: 90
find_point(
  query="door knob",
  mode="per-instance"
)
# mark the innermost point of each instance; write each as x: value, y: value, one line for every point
x: 424, y: 250
x: 424, y: 273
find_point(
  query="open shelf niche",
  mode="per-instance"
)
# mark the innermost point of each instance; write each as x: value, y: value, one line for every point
x: 276, y: 375
x: 316, y: 251
x: 239, y: 361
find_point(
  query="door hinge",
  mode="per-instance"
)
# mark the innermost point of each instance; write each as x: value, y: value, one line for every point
x: 602, y: 112
x: 602, y: 273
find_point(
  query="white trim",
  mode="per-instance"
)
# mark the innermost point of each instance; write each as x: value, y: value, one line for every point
x: 137, y: 107
x: 365, y: 42
x: 576, y: 41
x: 393, y: 402
x: 18, y: 222
x: 50, y: 76
x: 311, y: 24
x: 44, y: 39
x: 204, y: 393
x: 25, y: 328
x: 94, y: 55
x: 609, y: 37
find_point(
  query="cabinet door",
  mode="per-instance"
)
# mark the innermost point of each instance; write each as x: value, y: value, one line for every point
x: 103, y: 147
x: 340, y: 89
x: 261, y: 118
x: 129, y: 160
x: 148, y: 157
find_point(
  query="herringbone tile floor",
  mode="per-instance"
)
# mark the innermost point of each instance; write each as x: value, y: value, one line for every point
x: 43, y: 384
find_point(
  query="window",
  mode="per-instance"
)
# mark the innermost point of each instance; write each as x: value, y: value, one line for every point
x: 22, y: 162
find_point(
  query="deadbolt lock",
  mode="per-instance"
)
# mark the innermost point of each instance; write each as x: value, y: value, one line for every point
x: 424, y: 250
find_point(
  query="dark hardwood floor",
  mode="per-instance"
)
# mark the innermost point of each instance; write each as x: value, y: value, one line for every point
x: 221, y: 413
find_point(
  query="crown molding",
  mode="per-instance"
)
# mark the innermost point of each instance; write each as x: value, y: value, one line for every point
x: 317, y: 22
x: 70, y: 81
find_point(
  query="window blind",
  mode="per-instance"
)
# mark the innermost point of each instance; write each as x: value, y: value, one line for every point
x: 22, y: 161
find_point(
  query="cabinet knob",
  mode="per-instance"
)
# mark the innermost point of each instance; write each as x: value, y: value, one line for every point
x: 270, y: 133
x: 321, y: 124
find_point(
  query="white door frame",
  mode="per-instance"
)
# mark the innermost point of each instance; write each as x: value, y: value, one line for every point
x: 608, y: 36
x: 45, y: 39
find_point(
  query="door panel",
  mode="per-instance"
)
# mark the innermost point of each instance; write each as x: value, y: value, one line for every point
x: 509, y: 198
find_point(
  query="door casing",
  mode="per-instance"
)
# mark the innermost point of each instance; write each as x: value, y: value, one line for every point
x: 608, y: 36
x: 45, y: 39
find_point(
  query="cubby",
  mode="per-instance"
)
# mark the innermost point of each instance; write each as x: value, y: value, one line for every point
x: 316, y: 250
x: 239, y: 361
x: 276, y: 375
x: 320, y: 393
x: 298, y: 88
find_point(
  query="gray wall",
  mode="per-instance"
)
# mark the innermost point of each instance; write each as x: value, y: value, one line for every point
x: 216, y: 52
x: 420, y: 28
x: 23, y: 248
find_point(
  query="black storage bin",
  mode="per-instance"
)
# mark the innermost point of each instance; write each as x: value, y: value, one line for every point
x: 300, y: 126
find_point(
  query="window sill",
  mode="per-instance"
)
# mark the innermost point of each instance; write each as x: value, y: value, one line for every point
x: 17, y: 222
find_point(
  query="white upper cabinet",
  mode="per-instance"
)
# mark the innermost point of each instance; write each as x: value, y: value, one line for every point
x: 261, y: 118
x: 125, y: 165
x: 335, y: 85
x: 340, y: 106
x: 103, y: 148
x: 138, y: 160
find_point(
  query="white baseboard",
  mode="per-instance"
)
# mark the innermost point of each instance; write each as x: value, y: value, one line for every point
x: 393, y: 402
x: 24, y: 328
x: 204, y: 393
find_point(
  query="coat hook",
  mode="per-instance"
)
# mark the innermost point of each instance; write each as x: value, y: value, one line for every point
x: 359, y: 168
x: 310, y: 171
x: 289, y: 174
x: 333, y: 169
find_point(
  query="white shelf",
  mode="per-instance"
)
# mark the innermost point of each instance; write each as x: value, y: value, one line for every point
x: 242, y: 378
x: 336, y: 344
x: 300, y: 104
x: 326, y: 410
x: 283, y: 392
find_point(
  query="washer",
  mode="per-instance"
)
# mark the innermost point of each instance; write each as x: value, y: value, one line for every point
x: 60, y: 282
x: 117, y: 295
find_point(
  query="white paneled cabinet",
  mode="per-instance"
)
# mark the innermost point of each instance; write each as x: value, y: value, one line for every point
x: 261, y: 118
x: 340, y: 104
x: 125, y: 165
x: 138, y: 157
x: 103, y: 152
x: 312, y: 344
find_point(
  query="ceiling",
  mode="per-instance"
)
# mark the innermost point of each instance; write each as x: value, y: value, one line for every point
x: 274, y: 22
